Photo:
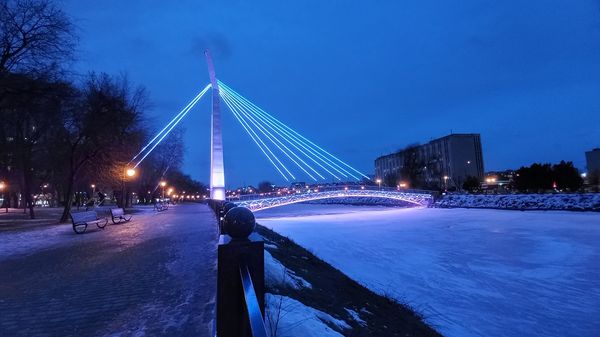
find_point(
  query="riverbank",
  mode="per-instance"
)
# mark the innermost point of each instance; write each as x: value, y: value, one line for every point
x: 555, y: 202
x: 308, y: 297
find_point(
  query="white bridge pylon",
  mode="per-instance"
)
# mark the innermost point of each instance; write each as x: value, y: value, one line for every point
x: 413, y: 198
x: 291, y: 154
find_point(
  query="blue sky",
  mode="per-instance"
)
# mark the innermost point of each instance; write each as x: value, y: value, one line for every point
x: 363, y: 79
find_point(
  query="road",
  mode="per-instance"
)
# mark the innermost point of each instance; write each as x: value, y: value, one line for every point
x: 154, y: 276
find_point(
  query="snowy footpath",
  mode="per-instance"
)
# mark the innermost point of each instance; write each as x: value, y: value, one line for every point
x: 469, y: 272
x: 153, y: 276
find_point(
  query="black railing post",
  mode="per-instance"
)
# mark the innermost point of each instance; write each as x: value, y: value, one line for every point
x: 241, y: 248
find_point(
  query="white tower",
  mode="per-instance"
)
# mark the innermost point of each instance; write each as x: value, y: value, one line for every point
x: 217, y: 169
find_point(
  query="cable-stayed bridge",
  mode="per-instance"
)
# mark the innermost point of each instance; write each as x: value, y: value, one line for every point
x: 292, y: 155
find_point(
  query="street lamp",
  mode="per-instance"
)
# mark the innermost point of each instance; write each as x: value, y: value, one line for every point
x: 2, y: 187
x: 378, y: 181
x: 129, y: 172
x: 446, y: 182
x: 163, y: 184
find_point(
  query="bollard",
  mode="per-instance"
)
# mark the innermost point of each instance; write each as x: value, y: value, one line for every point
x: 243, y: 248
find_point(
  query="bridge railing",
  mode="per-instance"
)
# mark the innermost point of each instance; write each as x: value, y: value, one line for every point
x: 245, y: 197
x: 240, y: 274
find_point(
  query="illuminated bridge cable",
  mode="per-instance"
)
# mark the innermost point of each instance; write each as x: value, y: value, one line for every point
x: 302, y: 141
x: 257, y: 120
x: 242, y: 120
x: 314, y: 157
x: 322, y: 154
x: 285, y: 150
x: 173, y: 125
x: 171, y: 122
x: 275, y: 140
x: 292, y: 140
x: 255, y: 139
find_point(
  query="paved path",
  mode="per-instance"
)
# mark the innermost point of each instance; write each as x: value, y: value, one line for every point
x: 153, y: 276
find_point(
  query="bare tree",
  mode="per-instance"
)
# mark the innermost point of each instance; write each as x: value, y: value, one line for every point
x: 35, y: 35
x: 104, y: 131
x: 32, y: 109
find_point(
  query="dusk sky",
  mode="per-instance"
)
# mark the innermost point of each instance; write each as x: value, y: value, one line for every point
x: 362, y: 79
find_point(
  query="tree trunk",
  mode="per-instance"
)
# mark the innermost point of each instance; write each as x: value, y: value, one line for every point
x: 27, y: 192
x: 68, y: 199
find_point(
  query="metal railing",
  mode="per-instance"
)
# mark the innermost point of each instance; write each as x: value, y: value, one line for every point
x: 240, y: 273
x: 317, y: 189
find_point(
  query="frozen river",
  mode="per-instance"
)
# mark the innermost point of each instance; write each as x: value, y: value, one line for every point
x: 469, y: 272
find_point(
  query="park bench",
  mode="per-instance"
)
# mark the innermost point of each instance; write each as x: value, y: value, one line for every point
x: 82, y: 219
x: 118, y: 215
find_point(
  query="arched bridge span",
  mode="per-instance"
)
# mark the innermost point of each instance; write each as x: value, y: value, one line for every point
x: 418, y: 199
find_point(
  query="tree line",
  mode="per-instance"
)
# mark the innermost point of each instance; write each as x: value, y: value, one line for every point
x: 66, y: 134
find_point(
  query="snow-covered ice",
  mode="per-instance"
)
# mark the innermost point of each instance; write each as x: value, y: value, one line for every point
x: 469, y: 272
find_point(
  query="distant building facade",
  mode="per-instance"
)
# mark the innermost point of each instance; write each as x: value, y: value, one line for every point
x: 444, y: 162
x: 592, y: 159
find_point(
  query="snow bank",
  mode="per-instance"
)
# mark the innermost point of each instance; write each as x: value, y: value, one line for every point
x: 293, y: 319
x: 277, y: 275
x: 575, y: 202
x: 355, y: 316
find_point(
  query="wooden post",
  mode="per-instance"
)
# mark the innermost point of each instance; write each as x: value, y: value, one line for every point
x: 232, y: 317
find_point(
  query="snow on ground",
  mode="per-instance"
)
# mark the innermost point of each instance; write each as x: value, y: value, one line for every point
x: 24, y: 242
x: 277, y: 275
x: 296, y: 319
x: 470, y: 272
x: 562, y: 201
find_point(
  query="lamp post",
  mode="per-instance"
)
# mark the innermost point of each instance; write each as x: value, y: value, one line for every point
x: 129, y: 172
x: 2, y: 187
x: 44, y: 186
x: 379, y: 182
x: 163, y: 184
x: 446, y: 183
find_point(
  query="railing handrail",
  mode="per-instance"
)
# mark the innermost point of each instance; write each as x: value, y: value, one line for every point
x: 270, y: 195
x: 257, y: 324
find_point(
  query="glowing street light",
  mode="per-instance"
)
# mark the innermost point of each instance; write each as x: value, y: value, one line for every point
x: 130, y: 172
x: 2, y: 187
x: 378, y: 182
x: 163, y: 184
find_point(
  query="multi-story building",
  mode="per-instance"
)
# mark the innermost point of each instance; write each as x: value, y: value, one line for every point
x: 592, y: 159
x: 444, y: 162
